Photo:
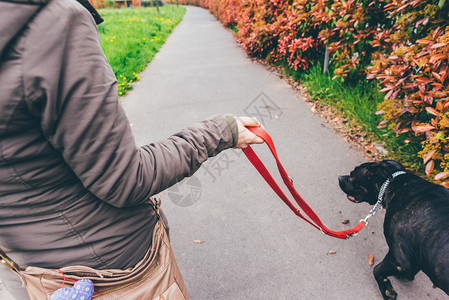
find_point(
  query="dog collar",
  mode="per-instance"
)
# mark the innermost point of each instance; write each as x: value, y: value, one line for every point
x: 378, y: 206
x: 384, y: 187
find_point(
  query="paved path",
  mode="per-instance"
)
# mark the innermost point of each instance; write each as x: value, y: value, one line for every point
x: 252, y: 246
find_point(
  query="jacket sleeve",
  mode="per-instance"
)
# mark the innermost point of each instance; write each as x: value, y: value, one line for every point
x: 71, y: 87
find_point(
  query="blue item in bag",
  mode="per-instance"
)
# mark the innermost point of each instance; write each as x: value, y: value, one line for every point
x: 82, y: 290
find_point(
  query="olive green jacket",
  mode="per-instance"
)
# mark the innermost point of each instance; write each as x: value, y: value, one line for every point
x: 74, y: 188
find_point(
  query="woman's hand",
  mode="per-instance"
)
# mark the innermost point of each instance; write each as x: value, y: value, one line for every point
x: 246, y: 137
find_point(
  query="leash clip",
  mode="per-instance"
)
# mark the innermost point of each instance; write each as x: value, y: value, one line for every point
x: 352, y: 234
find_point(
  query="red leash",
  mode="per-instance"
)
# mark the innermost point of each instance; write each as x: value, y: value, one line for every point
x: 314, y: 219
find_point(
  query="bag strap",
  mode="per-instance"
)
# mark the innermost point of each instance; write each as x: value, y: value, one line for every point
x: 9, y: 263
x: 313, y: 218
x: 156, y: 205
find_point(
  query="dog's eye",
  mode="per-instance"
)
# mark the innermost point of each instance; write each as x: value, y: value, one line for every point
x: 353, y: 182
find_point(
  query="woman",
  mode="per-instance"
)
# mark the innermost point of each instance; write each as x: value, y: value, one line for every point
x: 74, y: 189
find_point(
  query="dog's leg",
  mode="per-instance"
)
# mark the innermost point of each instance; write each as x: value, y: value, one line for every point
x: 386, y: 268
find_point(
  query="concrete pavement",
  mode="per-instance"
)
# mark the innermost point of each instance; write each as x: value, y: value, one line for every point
x: 233, y: 238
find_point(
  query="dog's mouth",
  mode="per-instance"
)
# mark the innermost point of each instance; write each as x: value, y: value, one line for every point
x: 349, y: 186
x: 352, y: 199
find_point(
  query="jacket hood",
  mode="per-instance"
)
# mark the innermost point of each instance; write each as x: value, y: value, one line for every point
x: 14, y: 15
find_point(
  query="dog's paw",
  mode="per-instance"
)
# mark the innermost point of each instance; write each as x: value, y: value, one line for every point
x: 387, y: 289
x: 390, y: 294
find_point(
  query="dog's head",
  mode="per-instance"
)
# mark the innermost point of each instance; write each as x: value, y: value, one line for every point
x: 364, y: 182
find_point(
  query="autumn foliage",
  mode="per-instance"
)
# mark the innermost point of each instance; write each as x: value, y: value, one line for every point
x: 413, y: 69
x: 401, y: 43
x: 99, y: 3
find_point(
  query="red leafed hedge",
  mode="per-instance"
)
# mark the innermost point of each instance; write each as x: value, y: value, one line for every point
x: 414, y: 71
x: 404, y: 44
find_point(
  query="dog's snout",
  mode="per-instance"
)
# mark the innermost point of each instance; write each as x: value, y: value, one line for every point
x: 344, y: 183
x: 343, y: 178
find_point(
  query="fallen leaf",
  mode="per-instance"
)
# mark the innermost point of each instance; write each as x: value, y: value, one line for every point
x: 371, y: 259
x: 370, y: 148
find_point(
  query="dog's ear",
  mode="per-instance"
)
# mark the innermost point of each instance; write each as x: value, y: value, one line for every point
x: 388, y: 167
x: 393, y: 166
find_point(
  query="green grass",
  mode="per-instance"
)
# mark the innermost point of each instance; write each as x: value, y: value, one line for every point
x: 357, y: 102
x: 131, y: 37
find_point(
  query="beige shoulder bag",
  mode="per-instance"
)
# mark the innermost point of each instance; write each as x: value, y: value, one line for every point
x: 156, y: 276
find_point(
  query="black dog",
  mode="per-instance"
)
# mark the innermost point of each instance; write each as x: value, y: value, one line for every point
x: 416, y: 224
